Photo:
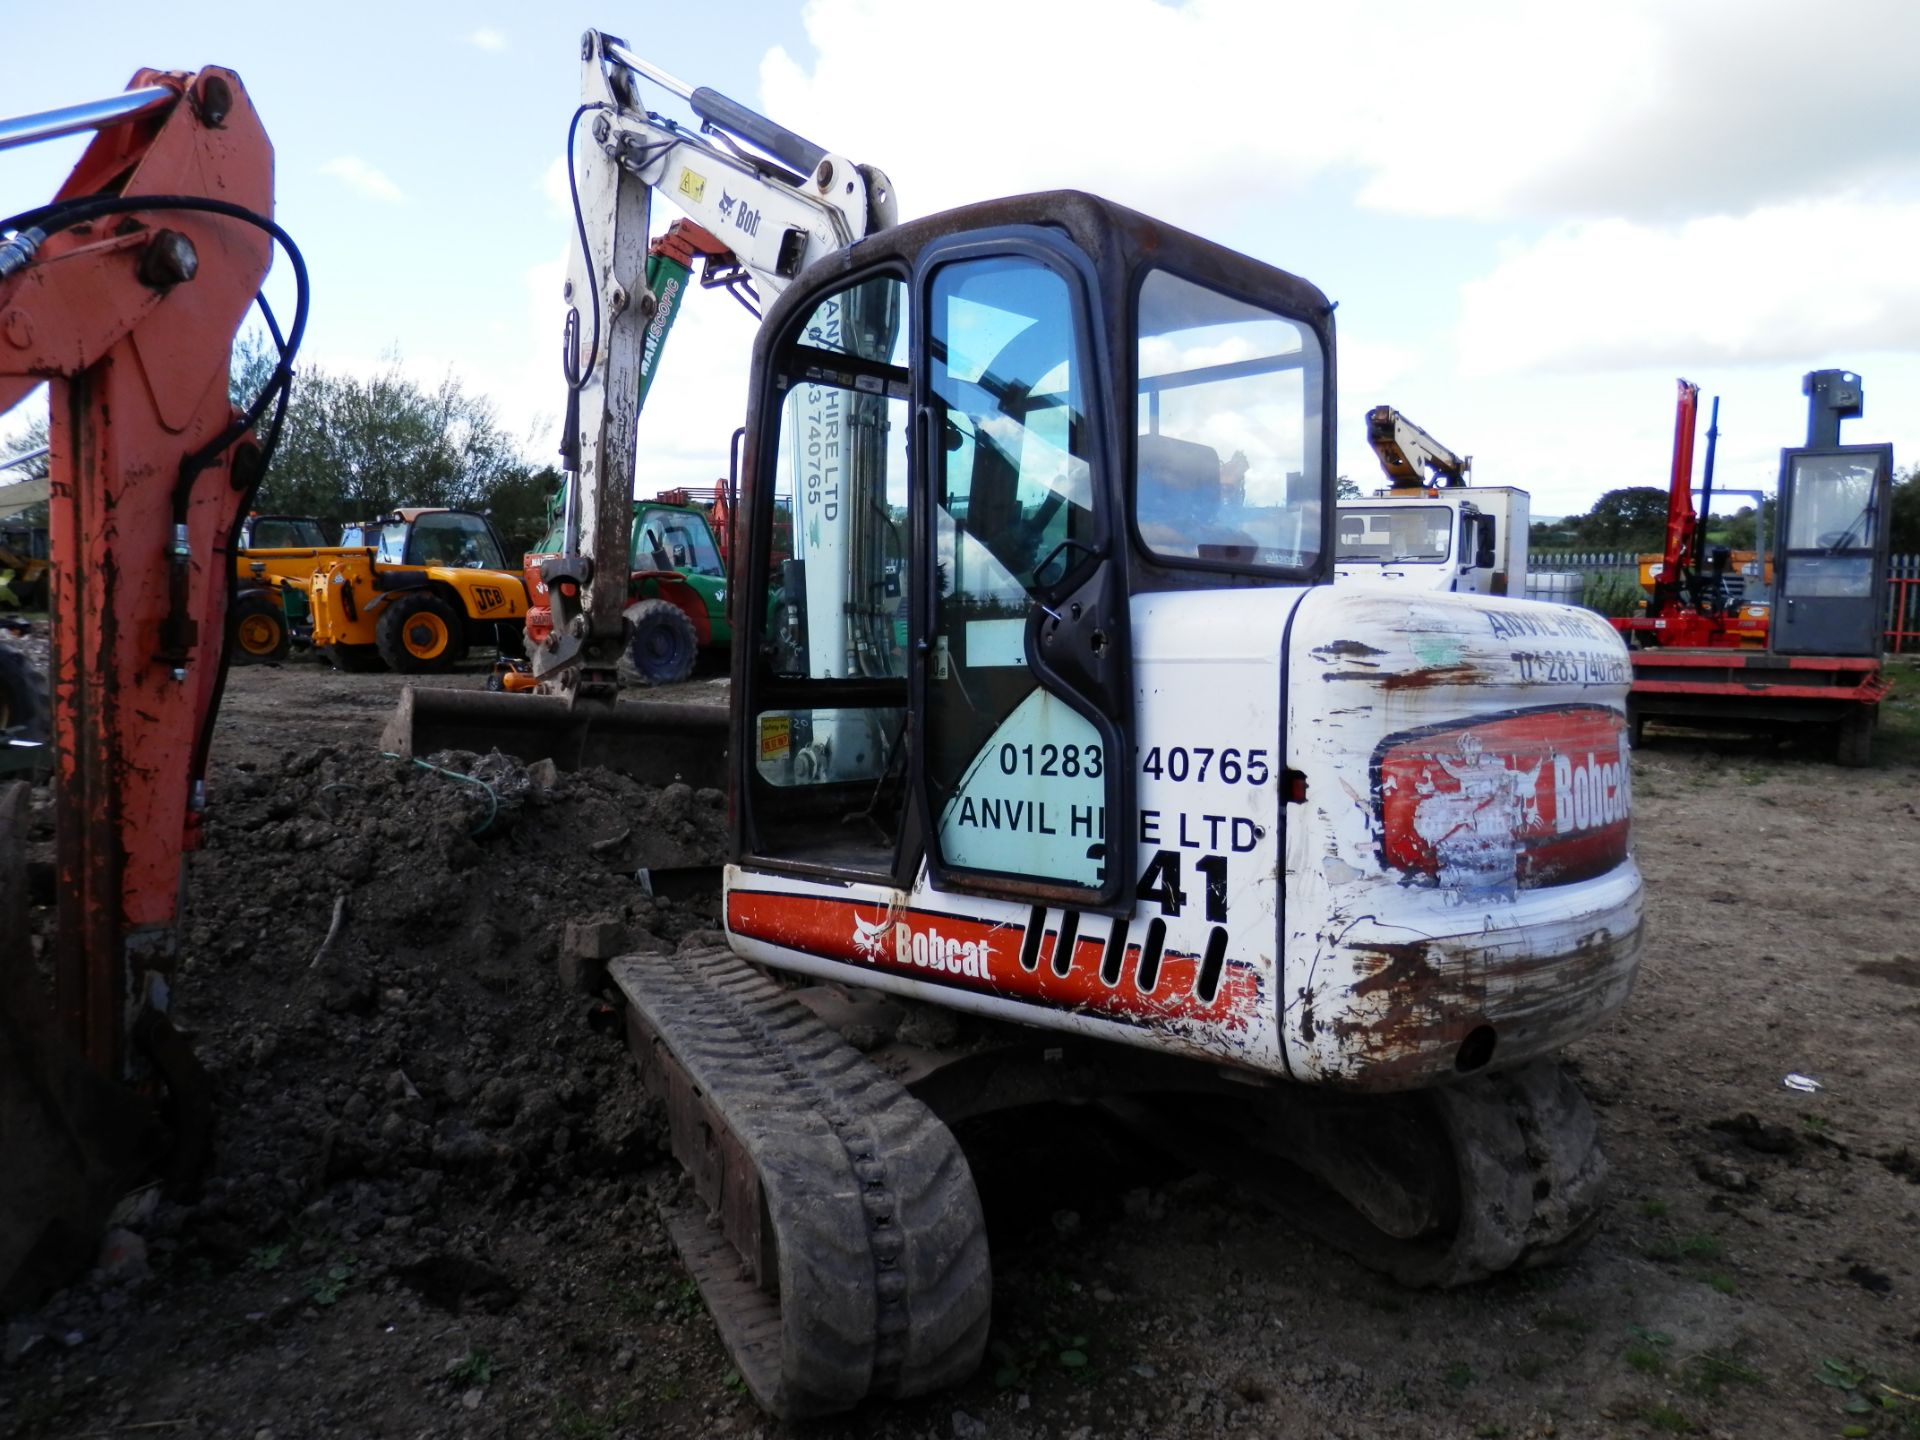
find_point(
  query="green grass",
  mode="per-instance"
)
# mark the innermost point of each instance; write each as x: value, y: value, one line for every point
x: 1711, y: 1371
x: 1671, y: 1248
x: 1645, y: 1352
x: 1898, y: 740
x: 1529, y: 1365
x: 1612, y: 592
x: 475, y: 1368
x: 574, y: 1423
x: 1645, y: 1359
x: 1568, y: 1320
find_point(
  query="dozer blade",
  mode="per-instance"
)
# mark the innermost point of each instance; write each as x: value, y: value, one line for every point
x: 656, y: 743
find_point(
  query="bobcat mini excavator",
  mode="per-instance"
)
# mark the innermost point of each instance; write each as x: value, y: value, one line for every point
x: 1049, y: 725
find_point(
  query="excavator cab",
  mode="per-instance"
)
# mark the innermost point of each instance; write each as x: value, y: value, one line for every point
x: 1835, y: 520
x: 958, y: 412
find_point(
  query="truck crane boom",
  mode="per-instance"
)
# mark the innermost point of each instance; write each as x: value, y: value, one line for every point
x: 1406, y: 451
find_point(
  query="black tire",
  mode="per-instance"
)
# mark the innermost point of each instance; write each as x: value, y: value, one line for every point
x: 420, y: 634
x: 23, y: 696
x: 354, y: 659
x: 257, y: 631
x: 661, y: 645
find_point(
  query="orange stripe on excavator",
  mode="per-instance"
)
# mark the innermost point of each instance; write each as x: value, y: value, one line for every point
x: 868, y: 935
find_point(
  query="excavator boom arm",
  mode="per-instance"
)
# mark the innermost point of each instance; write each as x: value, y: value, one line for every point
x: 773, y: 222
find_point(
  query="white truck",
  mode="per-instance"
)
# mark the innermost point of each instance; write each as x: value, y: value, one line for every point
x: 1431, y: 530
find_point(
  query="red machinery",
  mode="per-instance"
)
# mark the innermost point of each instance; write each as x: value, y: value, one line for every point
x: 123, y: 294
x: 1700, y: 657
x: 1689, y: 607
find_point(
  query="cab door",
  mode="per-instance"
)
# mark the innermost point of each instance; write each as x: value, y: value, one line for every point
x: 1019, y: 670
x: 1832, y: 557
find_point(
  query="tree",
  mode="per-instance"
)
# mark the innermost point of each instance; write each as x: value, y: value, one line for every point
x: 1906, y: 511
x: 1745, y: 529
x: 1630, y: 519
x: 517, y: 506
x: 31, y: 436
x: 1345, y: 489
x: 1562, y: 534
x: 353, y: 447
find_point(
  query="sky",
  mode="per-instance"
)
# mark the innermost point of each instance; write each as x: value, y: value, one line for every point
x: 1533, y: 217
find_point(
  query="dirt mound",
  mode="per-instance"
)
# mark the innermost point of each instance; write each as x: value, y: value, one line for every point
x: 426, y: 1027
x: 396, y: 1090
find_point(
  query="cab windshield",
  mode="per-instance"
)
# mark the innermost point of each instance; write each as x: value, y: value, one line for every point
x: 675, y: 540
x: 284, y: 532
x: 1394, y: 534
x: 450, y: 539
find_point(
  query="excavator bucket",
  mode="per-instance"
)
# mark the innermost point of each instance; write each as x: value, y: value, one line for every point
x: 657, y: 743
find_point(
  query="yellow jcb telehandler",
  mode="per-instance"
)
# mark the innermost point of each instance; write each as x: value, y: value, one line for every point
x: 411, y: 590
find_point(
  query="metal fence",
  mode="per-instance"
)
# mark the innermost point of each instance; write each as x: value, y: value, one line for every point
x: 1610, y: 579
x: 1903, y: 604
x: 1903, y: 586
x: 1583, y: 560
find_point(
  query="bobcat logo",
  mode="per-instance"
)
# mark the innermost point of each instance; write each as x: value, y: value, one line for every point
x: 898, y: 943
x: 870, y: 939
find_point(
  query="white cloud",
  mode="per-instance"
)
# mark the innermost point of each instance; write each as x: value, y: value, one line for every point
x: 1776, y: 285
x: 487, y: 39
x: 364, y: 178
x: 1372, y: 367
x: 553, y: 185
x: 1481, y: 110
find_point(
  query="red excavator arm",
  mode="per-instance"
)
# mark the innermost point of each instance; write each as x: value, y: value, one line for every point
x: 130, y: 316
x: 124, y: 295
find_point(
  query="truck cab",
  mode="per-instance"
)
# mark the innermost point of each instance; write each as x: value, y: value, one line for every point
x: 1469, y: 540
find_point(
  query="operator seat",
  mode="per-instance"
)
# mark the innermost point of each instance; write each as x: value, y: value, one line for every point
x: 1177, y: 501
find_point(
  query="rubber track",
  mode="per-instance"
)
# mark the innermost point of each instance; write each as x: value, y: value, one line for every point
x: 884, y: 1283
x: 1526, y: 1162
x: 1531, y: 1172
x: 1530, y: 1177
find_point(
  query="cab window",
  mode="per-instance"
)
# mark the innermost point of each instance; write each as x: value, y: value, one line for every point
x: 1227, y: 450
x: 673, y: 540
x: 452, y: 539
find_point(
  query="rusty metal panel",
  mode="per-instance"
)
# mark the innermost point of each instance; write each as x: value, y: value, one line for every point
x: 1468, y: 897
